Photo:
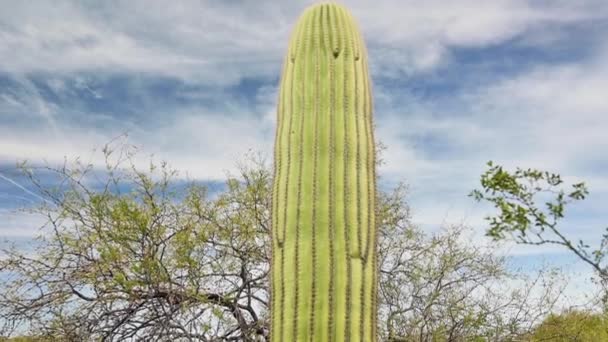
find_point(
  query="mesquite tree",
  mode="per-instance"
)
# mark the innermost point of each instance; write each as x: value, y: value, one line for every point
x: 324, y: 265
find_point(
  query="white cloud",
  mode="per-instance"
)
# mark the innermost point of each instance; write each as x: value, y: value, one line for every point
x: 196, y: 144
x: 207, y: 147
x: 411, y: 36
x: 18, y: 224
x: 195, y: 41
x: 560, y: 109
x: 550, y: 117
x: 222, y: 42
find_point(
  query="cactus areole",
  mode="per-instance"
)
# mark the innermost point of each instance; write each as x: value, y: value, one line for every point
x: 324, y: 265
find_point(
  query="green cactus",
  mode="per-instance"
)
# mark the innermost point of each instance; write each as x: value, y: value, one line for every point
x: 324, y: 267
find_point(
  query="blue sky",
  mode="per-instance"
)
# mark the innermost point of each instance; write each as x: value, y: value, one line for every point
x: 456, y: 83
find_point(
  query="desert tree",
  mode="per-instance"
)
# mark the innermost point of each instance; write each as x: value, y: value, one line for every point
x: 133, y: 251
x: 131, y: 254
x: 442, y: 287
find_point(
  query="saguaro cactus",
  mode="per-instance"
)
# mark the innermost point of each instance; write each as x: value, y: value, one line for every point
x: 324, y: 268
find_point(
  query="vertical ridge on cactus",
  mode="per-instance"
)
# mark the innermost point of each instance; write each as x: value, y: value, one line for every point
x: 323, y: 271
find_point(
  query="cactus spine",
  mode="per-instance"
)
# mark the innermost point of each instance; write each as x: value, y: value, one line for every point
x: 324, y: 267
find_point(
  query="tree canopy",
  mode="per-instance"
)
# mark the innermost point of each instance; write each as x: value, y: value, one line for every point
x: 129, y: 253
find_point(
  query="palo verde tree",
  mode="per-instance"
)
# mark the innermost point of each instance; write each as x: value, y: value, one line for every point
x: 324, y: 265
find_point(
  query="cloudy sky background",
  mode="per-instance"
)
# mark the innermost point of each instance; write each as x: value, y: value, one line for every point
x: 456, y: 83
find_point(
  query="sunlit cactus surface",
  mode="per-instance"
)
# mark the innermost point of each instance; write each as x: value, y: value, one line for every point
x: 324, y: 267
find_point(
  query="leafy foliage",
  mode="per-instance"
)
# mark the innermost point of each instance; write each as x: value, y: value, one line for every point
x: 138, y: 254
x: 153, y: 261
x: 572, y: 326
x: 522, y: 218
x: 517, y: 195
